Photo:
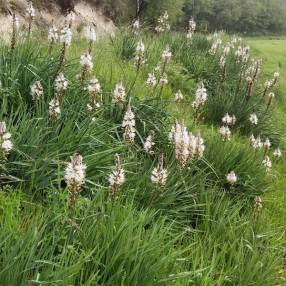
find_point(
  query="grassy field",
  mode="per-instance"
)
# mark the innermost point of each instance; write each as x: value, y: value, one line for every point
x: 176, y: 219
x: 273, y: 52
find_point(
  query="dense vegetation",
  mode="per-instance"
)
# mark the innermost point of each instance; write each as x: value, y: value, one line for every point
x: 244, y: 16
x: 185, y: 209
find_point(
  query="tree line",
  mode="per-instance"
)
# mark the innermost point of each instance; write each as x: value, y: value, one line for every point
x: 243, y: 16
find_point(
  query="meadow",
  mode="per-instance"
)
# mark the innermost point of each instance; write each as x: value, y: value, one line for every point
x: 141, y: 159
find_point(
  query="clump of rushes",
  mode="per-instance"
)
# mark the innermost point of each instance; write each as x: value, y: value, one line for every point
x: 162, y: 23
x: 200, y: 99
x: 159, y: 174
x: 94, y: 91
x: 30, y: 14
x: 119, y: 94
x: 231, y: 179
x: 139, y: 57
x: 75, y: 177
x: 37, y: 90
x: 191, y: 29
x: 128, y: 126
x: 53, y: 37
x: 6, y: 144
x: 149, y: 143
x: 187, y: 145
x: 90, y: 36
x: 116, y: 178
x: 86, y: 66
x: 15, y: 26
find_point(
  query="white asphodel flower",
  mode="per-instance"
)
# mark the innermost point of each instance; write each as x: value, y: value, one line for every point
x: 37, y: 90
x: 201, y: 97
x: 258, y: 203
x: 128, y: 125
x: 253, y: 119
x: 163, y: 25
x: 117, y: 177
x: 167, y: 54
x: 119, y: 93
x: 277, y: 153
x: 30, y: 11
x: 139, y: 57
x: 151, y: 80
x: 225, y: 133
x: 267, y: 144
x: 149, y: 143
x: 187, y: 145
x: 267, y: 164
x: 256, y: 142
x: 159, y: 174
x: 53, y: 34
x: 75, y: 173
x: 54, y: 109
x: 231, y: 178
x: 136, y: 26
x: 89, y: 33
x: 163, y: 80
x: 66, y: 36
x: 229, y: 120
x: 6, y: 144
x: 179, y: 97
x: 61, y: 84
x: 86, y: 62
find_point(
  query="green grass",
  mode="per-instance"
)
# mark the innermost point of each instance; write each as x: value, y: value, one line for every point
x: 197, y: 230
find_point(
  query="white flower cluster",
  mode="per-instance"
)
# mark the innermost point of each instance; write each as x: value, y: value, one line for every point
x: 37, y: 90
x: 136, y: 26
x: 163, y: 80
x: 75, y: 176
x: 139, y: 57
x: 253, y: 119
x: 151, y: 80
x: 191, y: 29
x: 179, y: 97
x: 253, y: 70
x: 229, y: 120
x: 119, y: 93
x: 94, y: 89
x: 86, y: 62
x: 89, y: 34
x: 242, y: 54
x: 258, y: 203
x: 187, y: 146
x: 162, y: 23
x: 225, y: 133
x: 231, y: 178
x: 277, y: 153
x: 201, y: 97
x: 159, y: 174
x: 54, y: 109
x: 6, y: 144
x: 30, y: 11
x: 256, y: 143
x: 61, y: 84
x: 66, y: 36
x: 53, y: 34
x: 149, y: 143
x: 215, y: 46
x: 117, y: 177
x: 166, y: 55
x: 267, y: 163
x: 128, y: 125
